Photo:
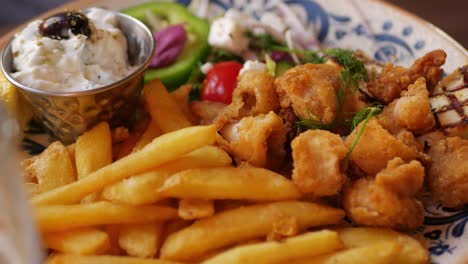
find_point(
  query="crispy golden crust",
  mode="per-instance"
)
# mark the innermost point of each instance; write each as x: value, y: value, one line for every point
x: 412, y: 111
x: 404, y: 179
x: 255, y: 94
x: 310, y: 90
x: 317, y: 157
x: 258, y: 140
x: 395, y: 79
x: 370, y: 204
x: 376, y: 147
x: 387, y: 200
x: 448, y: 176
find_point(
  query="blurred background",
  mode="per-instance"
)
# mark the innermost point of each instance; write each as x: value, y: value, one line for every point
x: 449, y: 15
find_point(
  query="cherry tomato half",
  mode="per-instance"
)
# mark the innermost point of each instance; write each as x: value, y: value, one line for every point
x: 221, y: 81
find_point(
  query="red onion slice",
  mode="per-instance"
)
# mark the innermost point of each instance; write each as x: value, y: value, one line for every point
x: 170, y: 42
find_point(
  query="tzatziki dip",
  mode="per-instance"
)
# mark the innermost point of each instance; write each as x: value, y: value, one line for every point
x: 71, y: 51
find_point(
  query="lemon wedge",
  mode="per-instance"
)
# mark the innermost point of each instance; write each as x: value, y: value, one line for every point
x: 15, y: 103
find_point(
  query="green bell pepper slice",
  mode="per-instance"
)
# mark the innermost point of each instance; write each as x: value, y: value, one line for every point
x: 196, y: 48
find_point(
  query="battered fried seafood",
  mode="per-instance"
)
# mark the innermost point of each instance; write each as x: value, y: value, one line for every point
x: 448, y: 176
x: 254, y: 95
x: 317, y: 156
x: 376, y: 147
x: 411, y: 111
x: 310, y: 90
x: 395, y: 79
x: 388, y: 200
x: 258, y: 140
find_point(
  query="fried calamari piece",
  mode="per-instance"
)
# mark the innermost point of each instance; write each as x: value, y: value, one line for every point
x: 395, y: 79
x: 317, y: 157
x: 255, y: 94
x: 411, y: 111
x: 388, y: 200
x: 404, y: 179
x: 448, y: 176
x: 376, y: 147
x: 258, y: 140
x: 310, y: 90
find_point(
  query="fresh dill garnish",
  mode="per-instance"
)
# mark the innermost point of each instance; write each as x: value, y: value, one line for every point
x: 313, y: 57
x: 363, y: 117
x: 311, y: 123
x: 353, y: 72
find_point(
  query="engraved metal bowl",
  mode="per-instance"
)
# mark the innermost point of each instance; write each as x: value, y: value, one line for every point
x: 67, y: 115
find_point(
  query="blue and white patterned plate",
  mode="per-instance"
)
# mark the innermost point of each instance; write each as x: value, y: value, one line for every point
x: 386, y: 33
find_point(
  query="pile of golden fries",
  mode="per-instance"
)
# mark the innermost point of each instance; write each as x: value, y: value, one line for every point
x: 175, y: 197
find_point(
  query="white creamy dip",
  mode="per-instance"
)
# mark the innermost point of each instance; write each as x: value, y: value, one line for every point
x: 77, y: 63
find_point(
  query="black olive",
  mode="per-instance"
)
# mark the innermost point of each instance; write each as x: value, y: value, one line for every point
x: 57, y: 26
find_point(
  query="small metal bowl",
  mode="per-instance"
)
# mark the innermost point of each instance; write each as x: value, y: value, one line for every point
x: 67, y: 115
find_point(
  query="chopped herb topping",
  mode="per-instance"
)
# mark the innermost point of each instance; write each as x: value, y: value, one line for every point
x: 353, y: 72
x: 361, y: 117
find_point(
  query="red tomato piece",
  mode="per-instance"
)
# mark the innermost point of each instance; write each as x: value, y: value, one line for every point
x: 221, y: 81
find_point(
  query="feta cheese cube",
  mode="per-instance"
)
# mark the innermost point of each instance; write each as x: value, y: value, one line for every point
x: 253, y: 65
x: 205, y: 68
x: 226, y: 33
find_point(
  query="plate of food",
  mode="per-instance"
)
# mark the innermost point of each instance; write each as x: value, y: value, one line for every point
x: 297, y: 131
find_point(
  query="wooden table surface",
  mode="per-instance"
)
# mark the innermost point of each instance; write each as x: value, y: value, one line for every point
x: 449, y: 15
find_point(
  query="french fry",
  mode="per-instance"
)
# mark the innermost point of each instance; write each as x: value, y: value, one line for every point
x: 29, y: 169
x: 77, y: 259
x: 72, y: 153
x: 93, y: 150
x: 412, y: 252
x: 380, y: 253
x: 190, y: 209
x: 306, y: 245
x: 229, y: 227
x: 163, y: 108
x: 53, y: 167
x: 86, y: 241
x: 32, y: 189
x: 141, y: 240
x: 182, y: 97
x: 285, y: 227
x: 62, y: 217
x: 230, y: 183
x: 142, y: 189
x: 151, y: 132
x: 161, y: 150
x: 126, y: 146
